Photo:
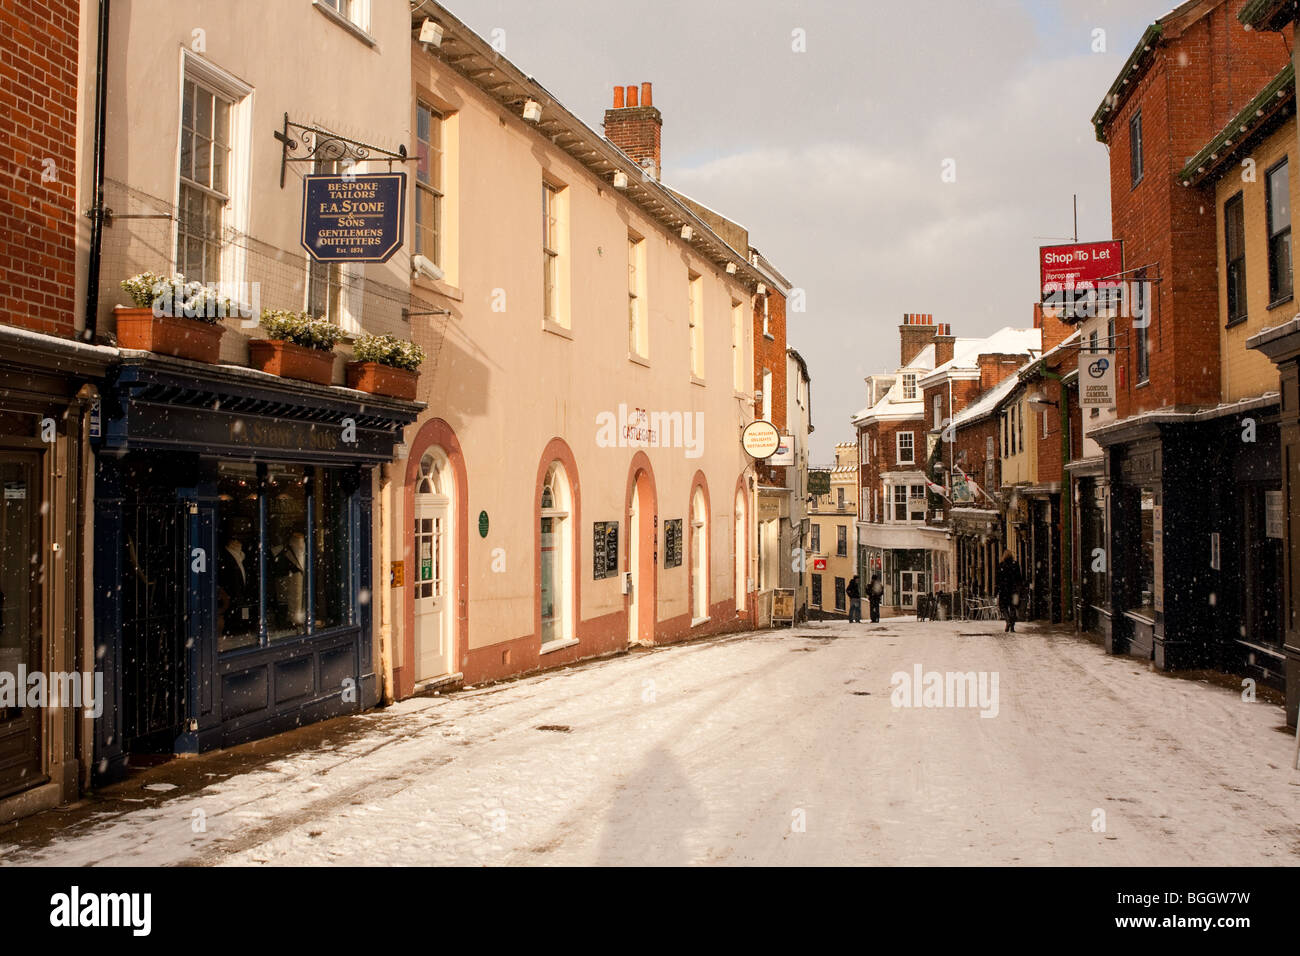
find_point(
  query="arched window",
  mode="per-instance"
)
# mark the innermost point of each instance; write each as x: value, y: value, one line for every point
x: 430, y: 480
x: 699, y: 555
x: 557, y: 556
x: 741, y: 555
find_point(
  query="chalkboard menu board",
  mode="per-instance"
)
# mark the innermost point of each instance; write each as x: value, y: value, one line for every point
x: 673, y: 543
x: 604, y: 549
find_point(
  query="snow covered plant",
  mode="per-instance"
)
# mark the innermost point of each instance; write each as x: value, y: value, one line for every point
x: 178, y: 297
x: 300, y: 328
x: 388, y: 350
x: 142, y: 289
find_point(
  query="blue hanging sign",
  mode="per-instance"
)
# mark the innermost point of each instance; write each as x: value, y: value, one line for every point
x: 353, y: 218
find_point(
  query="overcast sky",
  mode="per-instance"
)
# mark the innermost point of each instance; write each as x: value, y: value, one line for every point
x: 833, y: 157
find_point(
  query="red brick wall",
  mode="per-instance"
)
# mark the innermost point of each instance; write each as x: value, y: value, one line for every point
x: 1198, y: 80
x: 38, y: 124
x: 972, y: 440
x: 884, y: 459
x: 769, y: 353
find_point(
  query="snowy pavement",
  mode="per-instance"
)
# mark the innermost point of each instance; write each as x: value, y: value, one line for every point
x: 775, y: 747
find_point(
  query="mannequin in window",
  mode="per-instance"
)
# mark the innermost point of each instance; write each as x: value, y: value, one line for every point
x: 290, y: 572
x: 237, y: 584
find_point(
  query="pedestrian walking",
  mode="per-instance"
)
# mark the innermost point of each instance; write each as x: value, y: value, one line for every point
x: 875, y: 593
x: 1009, y: 580
x: 855, y: 601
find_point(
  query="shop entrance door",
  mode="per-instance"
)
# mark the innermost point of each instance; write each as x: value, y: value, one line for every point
x: 911, y: 584
x: 20, y: 616
x: 154, y: 591
x: 433, y: 616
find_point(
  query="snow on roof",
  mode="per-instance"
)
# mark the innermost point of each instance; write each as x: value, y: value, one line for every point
x: 1006, y: 340
x: 985, y: 405
x: 892, y: 403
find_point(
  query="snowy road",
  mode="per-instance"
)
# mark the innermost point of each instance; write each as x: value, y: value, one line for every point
x: 777, y: 747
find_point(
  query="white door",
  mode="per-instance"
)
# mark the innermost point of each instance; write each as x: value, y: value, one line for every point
x: 913, y: 583
x: 431, y: 576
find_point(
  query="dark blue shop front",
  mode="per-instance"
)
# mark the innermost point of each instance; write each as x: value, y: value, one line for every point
x: 233, y: 541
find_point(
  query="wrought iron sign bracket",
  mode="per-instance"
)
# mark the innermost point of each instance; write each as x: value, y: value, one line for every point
x: 306, y: 144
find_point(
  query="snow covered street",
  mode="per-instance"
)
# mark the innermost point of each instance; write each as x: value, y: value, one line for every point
x: 775, y: 747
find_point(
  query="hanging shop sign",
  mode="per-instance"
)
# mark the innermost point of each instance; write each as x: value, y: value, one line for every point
x: 1096, y: 380
x: 819, y: 483
x: 1079, y: 278
x: 760, y: 440
x: 354, y: 217
x: 819, y: 564
x: 784, y: 454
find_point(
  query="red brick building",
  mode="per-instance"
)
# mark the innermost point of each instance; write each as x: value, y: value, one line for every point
x: 48, y: 388
x: 1168, y: 458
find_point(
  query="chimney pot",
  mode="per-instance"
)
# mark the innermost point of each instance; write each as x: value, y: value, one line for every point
x: 618, y: 97
x: 645, y: 95
x: 631, y: 96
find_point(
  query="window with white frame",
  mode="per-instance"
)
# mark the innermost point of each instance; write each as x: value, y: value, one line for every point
x: 1045, y: 425
x: 900, y: 503
x: 699, y: 555
x: 737, y: 346
x: 916, y: 503
x: 938, y: 411
x: 815, y: 544
x: 428, y: 183
x: 356, y: 12
x: 906, y: 448
x: 695, y: 322
x: 767, y: 394
x: 204, y: 181
x: 551, y: 252
x: 842, y: 541
x: 909, y: 386
x: 638, y: 333
x: 766, y: 316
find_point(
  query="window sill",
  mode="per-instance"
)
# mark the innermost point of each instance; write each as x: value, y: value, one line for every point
x: 1235, y: 322
x: 1279, y: 302
x: 698, y: 381
x: 636, y: 359
x: 555, y: 328
x: 552, y: 646
x: 769, y: 336
x: 440, y: 287
x: 333, y: 15
x: 1143, y: 384
x: 697, y: 621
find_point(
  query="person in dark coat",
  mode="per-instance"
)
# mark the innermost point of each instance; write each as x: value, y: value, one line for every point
x: 875, y: 594
x: 855, y: 601
x: 1009, y: 580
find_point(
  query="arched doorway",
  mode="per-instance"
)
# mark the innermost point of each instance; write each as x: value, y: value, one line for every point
x: 433, y: 577
x: 557, y: 555
x: 643, y: 528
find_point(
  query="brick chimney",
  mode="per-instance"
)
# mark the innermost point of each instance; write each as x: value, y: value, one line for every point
x: 916, y: 332
x: 996, y: 366
x: 945, y: 343
x: 1054, y: 330
x: 636, y: 129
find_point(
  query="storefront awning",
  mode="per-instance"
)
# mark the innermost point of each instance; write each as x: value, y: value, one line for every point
x: 154, y: 402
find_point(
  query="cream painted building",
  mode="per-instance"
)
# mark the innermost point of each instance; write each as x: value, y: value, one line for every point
x: 833, y: 548
x: 576, y: 483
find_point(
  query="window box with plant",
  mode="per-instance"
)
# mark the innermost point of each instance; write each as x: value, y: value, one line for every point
x: 171, y: 316
x: 297, y: 345
x: 385, y: 365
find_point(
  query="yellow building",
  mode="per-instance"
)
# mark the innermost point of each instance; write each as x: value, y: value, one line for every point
x: 831, y: 555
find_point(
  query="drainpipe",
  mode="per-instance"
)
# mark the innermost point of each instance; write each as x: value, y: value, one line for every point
x: 96, y: 212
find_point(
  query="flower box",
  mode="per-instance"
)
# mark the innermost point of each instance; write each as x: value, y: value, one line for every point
x: 191, y: 339
x: 379, y: 379
x: 292, y: 361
